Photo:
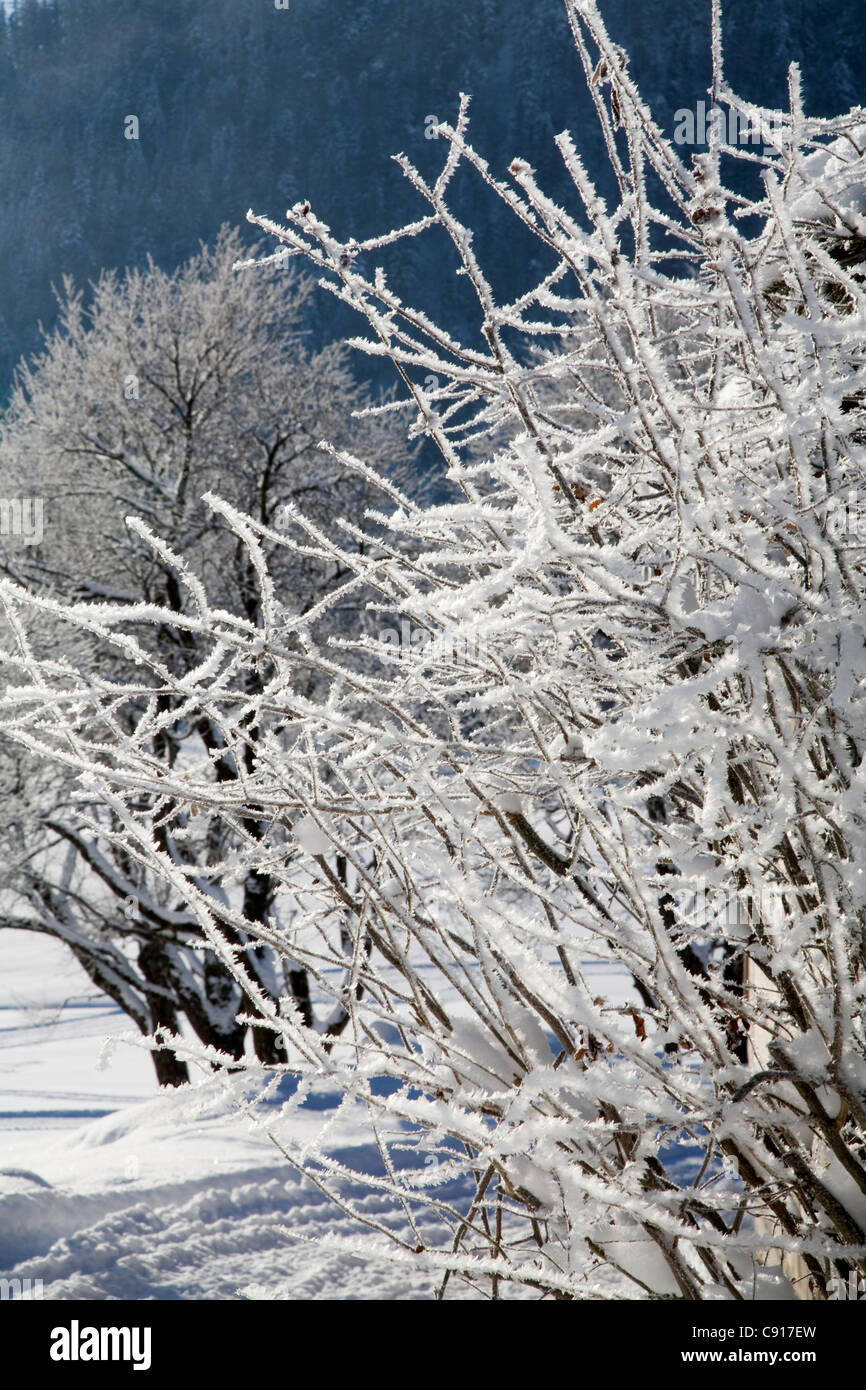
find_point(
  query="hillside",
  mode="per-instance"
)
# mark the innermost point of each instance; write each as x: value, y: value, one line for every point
x: 240, y: 104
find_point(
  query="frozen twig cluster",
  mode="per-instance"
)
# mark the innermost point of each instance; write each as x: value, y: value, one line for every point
x: 632, y: 735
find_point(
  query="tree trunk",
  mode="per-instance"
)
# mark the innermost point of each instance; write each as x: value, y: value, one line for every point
x: 156, y: 969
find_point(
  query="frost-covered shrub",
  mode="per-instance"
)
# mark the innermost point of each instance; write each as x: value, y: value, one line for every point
x: 581, y: 874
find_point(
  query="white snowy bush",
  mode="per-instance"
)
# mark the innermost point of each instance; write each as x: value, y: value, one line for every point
x: 629, y: 746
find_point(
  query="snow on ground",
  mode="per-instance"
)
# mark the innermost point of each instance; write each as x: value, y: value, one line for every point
x: 154, y: 1195
x: 112, y: 1190
x: 52, y: 1025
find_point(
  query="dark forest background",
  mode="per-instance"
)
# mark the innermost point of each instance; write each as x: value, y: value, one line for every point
x: 243, y: 105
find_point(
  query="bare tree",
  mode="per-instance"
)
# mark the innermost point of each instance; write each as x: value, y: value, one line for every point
x: 159, y: 387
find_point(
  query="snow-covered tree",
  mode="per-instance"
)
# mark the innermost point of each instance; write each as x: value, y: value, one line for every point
x: 157, y: 388
x: 579, y: 871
